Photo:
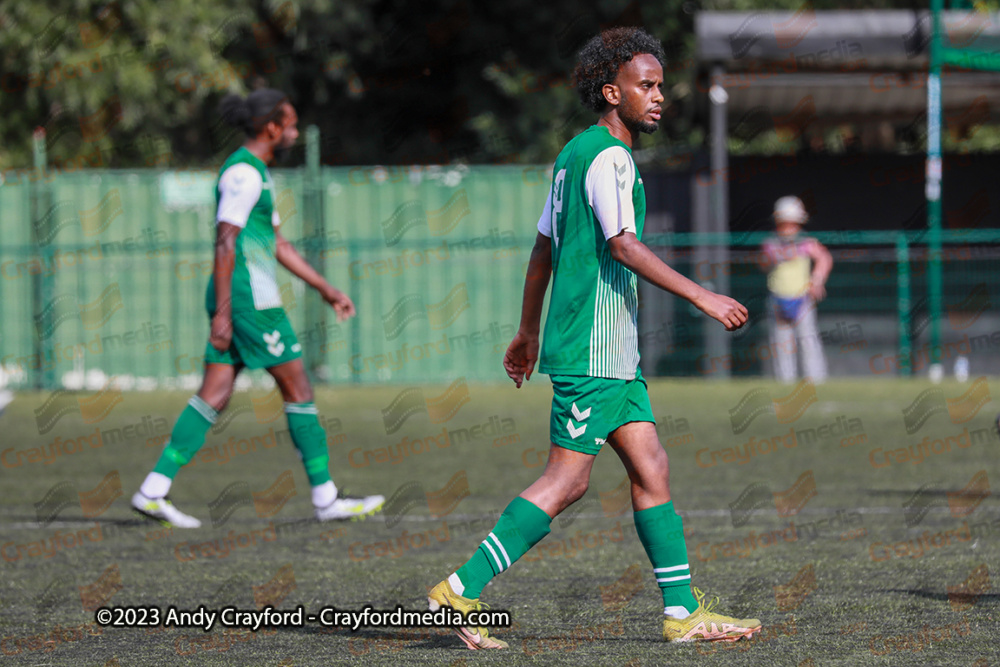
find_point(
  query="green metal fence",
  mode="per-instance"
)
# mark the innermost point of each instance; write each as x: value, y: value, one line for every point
x: 103, y: 273
x: 875, y: 321
x: 111, y: 276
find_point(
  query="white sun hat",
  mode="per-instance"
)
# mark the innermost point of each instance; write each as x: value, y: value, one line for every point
x: 790, y: 209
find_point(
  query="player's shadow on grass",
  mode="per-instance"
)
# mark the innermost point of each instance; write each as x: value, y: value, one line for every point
x: 986, y: 599
x: 82, y: 520
x: 929, y: 491
x: 384, y: 638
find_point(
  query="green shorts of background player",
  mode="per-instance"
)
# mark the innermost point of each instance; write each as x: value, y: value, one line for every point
x: 249, y: 328
x: 589, y: 246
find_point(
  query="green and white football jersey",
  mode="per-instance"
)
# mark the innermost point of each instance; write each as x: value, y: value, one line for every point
x: 245, y: 197
x: 596, y: 194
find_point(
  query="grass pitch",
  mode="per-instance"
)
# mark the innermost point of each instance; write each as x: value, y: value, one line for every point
x: 855, y: 521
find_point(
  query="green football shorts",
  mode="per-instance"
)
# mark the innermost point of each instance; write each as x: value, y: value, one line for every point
x: 261, y: 339
x: 586, y: 410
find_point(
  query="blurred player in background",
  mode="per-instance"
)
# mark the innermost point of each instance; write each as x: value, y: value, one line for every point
x: 6, y: 395
x: 249, y: 327
x: 588, y: 243
x: 797, y: 267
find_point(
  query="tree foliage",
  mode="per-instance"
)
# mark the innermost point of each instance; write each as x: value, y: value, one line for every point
x: 126, y: 84
x: 133, y: 84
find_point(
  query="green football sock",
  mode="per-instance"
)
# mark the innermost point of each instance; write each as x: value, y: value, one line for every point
x: 310, y: 439
x: 521, y: 526
x: 187, y: 437
x: 661, y: 532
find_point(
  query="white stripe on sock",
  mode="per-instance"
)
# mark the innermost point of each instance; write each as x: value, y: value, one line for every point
x: 456, y: 583
x: 686, y: 576
x: 203, y: 408
x: 502, y: 550
x: 671, y: 569
x: 496, y: 558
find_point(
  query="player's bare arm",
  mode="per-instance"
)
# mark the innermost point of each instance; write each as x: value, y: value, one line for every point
x: 289, y: 257
x: 635, y: 255
x: 822, y: 265
x: 522, y: 353
x: 225, y: 260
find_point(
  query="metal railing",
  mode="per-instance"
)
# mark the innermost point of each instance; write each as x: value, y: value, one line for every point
x: 102, y: 273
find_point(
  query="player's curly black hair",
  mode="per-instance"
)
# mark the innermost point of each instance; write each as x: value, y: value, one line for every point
x: 600, y: 59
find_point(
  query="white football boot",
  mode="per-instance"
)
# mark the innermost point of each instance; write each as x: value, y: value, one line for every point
x: 162, y: 510
x: 347, y: 507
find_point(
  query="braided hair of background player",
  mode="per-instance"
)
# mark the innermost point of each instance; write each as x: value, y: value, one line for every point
x: 253, y: 112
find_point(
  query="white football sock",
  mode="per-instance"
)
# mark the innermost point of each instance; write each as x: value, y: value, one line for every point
x: 678, y: 612
x: 324, y: 494
x: 456, y: 583
x: 156, y: 485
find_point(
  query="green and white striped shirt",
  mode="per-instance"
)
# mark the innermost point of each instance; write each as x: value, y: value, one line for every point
x: 596, y: 194
x: 246, y: 198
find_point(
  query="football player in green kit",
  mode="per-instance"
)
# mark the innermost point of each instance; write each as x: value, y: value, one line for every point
x: 589, y: 244
x: 249, y: 327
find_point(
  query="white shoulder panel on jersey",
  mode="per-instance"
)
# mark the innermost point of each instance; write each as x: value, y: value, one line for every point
x: 239, y: 190
x: 610, y: 179
x: 545, y: 222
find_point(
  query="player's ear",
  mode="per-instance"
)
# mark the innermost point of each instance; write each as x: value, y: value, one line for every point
x: 612, y: 94
x: 273, y: 129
